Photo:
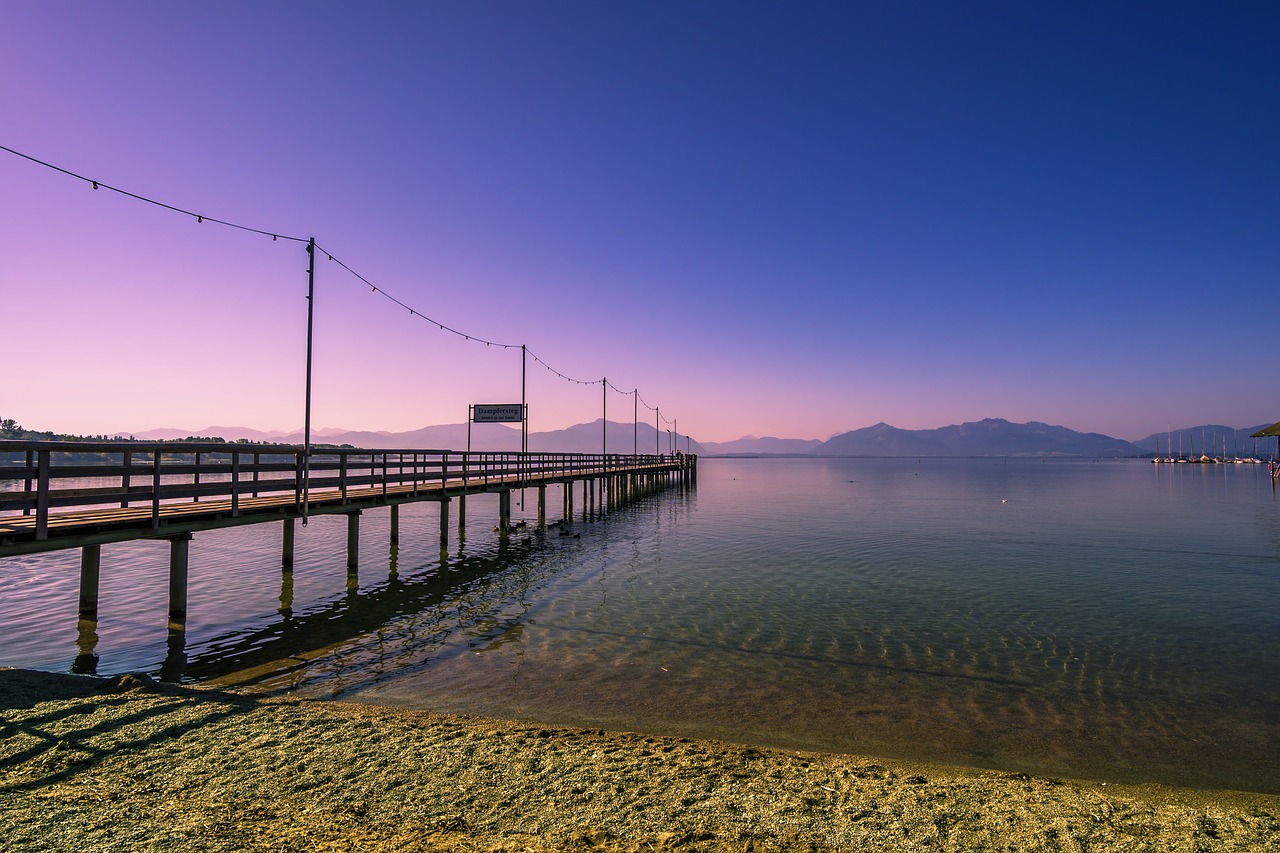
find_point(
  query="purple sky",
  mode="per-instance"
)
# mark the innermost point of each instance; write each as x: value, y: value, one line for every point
x: 776, y: 219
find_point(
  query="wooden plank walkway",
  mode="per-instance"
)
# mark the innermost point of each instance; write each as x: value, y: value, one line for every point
x: 187, y: 516
x: 54, y: 509
x: 62, y: 495
x: 52, y: 495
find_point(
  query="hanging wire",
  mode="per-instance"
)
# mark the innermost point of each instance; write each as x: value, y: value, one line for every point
x: 563, y: 376
x: 414, y: 312
x: 619, y: 390
x: 200, y: 218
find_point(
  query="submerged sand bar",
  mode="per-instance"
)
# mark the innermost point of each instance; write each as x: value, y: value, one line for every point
x: 124, y: 764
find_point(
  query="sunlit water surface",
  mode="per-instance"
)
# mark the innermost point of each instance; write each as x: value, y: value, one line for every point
x: 1118, y: 620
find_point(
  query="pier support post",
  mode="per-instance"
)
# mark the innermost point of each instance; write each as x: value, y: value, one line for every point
x: 353, y: 541
x: 178, y: 553
x: 542, y: 506
x: 286, y: 548
x: 462, y: 516
x: 395, y: 524
x: 504, y: 512
x: 90, y: 561
x: 444, y: 521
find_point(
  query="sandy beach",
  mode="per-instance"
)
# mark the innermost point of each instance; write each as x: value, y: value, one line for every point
x: 127, y: 764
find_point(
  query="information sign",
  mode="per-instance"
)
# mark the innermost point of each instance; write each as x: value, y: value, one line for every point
x: 497, y: 413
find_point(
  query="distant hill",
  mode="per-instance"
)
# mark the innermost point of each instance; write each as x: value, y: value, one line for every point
x: 622, y: 438
x: 580, y: 438
x: 1207, y: 439
x: 990, y: 437
x: 749, y: 444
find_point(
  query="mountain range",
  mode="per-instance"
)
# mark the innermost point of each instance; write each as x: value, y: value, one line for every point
x: 989, y: 437
x: 580, y: 438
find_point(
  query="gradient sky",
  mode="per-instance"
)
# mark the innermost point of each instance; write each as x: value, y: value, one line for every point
x: 771, y: 218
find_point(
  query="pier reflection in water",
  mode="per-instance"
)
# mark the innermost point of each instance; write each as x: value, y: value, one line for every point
x: 325, y: 624
x: 372, y: 631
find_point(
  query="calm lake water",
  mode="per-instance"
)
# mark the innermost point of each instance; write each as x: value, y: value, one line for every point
x: 1115, y: 620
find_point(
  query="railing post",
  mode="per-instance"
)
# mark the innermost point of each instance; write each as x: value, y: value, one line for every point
x: 42, y: 495
x: 196, y: 497
x: 26, y: 492
x: 126, y: 479
x: 235, y: 483
x: 155, y: 489
x: 298, y: 476
x: 342, y: 475
x: 256, y: 457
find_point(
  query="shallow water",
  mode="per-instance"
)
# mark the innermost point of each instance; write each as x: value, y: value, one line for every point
x: 1108, y: 619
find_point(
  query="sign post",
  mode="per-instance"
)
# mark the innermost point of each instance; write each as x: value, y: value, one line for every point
x: 497, y: 413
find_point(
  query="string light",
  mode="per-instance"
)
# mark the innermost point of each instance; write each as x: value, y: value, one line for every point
x: 276, y: 237
x: 200, y: 218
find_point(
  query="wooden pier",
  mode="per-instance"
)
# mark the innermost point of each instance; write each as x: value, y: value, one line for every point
x: 59, y: 495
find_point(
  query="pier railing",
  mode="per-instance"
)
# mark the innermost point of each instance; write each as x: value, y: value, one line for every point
x: 42, y: 478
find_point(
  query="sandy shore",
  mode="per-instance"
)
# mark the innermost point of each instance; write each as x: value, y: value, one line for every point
x: 124, y: 764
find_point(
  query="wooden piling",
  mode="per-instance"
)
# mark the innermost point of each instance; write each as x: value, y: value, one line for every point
x: 395, y: 524
x: 286, y: 547
x: 90, y: 563
x: 444, y: 521
x: 353, y: 541
x: 178, y: 556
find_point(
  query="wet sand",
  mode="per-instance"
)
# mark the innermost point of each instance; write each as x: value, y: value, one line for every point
x: 126, y: 764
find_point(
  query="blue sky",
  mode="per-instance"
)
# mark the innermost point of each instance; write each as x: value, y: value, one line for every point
x: 785, y: 219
